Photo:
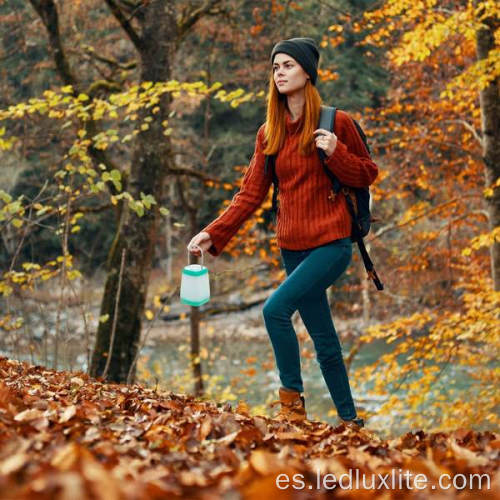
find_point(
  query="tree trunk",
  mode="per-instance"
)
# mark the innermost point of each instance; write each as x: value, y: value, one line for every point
x: 168, y: 239
x: 137, y: 235
x: 490, y: 124
x: 195, y: 351
x: 195, y: 316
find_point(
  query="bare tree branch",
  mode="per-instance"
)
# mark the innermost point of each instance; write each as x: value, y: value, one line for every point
x: 431, y: 211
x: 103, y: 84
x: 131, y: 5
x: 469, y: 127
x: 125, y: 24
x: 334, y: 8
x: 47, y: 11
x: 108, y: 60
x: 192, y: 173
x: 193, y: 15
x: 451, y: 145
x: 5, y: 56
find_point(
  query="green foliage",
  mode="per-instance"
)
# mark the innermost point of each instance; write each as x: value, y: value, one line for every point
x: 76, y: 183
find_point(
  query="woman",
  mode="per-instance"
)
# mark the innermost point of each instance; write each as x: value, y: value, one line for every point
x: 313, y: 228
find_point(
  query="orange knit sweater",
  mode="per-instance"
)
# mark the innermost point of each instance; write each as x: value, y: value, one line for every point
x: 306, y: 217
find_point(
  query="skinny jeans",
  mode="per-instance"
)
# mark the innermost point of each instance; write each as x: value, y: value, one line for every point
x: 309, y: 273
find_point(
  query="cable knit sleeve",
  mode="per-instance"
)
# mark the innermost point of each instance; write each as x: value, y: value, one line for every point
x: 254, y: 188
x: 350, y: 160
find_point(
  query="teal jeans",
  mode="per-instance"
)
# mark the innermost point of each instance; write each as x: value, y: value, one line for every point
x: 309, y: 273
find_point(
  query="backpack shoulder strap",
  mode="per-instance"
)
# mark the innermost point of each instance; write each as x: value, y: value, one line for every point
x: 362, y: 135
x: 266, y: 165
x: 270, y: 162
x: 327, y: 121
x: 327, y: 117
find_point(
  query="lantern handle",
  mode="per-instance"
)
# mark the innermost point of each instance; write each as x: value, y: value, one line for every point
x: 195, y: 245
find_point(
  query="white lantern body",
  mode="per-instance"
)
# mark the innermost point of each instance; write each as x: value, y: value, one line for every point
x: 195, y: 285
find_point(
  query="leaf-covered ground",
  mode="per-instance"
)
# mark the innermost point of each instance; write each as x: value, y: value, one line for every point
x: 67, y: 436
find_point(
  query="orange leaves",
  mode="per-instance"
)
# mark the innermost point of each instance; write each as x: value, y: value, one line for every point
x: 307, y: 353
x: 276, y: 7
x: 154, y: 446
x: 327, y: 75
x: 258, y: 26
x: 78, y: 474
x: 425, y: 31
x: 268, y: 365
x: 255, y: 30
x: 414, y: 212
x: 68, y: 413
x: 28, y: 415
x: 249, y: 372
x: 14, y: 462
x: 335, y: 39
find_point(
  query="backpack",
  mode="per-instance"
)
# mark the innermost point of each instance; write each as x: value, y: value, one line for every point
x: 358, y: 199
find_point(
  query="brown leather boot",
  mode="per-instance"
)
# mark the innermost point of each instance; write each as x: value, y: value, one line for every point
x: 292, y: 406
x: 355, y: 423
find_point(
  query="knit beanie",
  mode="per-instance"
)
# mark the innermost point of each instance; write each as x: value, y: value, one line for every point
x: 304, y: 51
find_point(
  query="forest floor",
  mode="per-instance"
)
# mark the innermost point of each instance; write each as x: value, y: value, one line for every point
x: 67, y: 436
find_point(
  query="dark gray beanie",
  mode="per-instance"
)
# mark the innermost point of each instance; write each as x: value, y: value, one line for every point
x: 304, y: 51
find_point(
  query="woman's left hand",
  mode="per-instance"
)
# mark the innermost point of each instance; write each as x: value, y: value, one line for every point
x: 325, y: 140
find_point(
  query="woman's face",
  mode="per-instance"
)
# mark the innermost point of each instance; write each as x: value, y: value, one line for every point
x: 288, y: 74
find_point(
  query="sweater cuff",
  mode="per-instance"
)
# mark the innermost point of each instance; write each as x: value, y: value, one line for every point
x: 219, y: 241
x: 213, y: 251
x: 338, y: 154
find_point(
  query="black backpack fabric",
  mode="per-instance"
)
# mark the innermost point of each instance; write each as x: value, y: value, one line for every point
x: 358, y: 199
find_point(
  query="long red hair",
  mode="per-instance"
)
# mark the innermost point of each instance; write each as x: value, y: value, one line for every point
x: 275, y: 130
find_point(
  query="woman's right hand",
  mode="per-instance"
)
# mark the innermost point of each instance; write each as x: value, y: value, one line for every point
x: 203, y: 240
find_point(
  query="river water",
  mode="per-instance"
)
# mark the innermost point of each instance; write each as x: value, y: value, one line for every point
x: 238, y: 364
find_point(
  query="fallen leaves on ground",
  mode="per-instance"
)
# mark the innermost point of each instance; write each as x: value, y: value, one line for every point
x: 67, y: 436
